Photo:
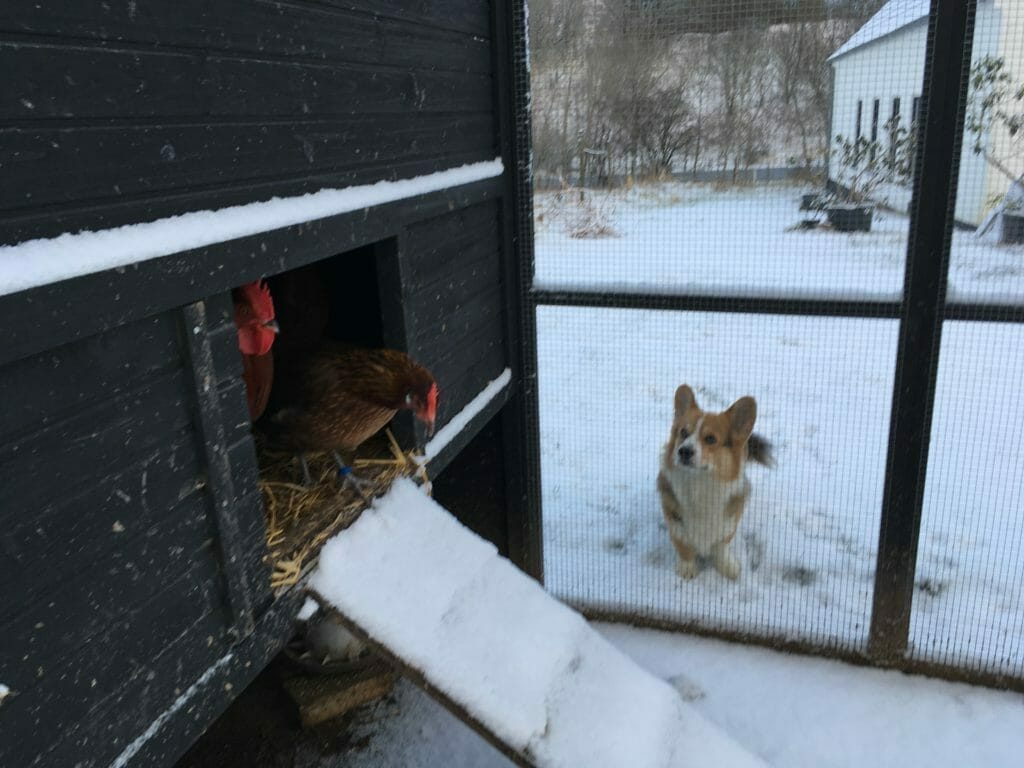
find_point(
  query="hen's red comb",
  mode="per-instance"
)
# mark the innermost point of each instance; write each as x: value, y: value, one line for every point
x: 257, y: 294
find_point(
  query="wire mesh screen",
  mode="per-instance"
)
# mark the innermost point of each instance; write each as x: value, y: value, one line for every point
x: 806, y: 541
x: 969, y: 584
x: 721, y: 198
x: 969, y: 601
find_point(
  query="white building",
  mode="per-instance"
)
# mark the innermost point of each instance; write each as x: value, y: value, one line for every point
x: 879, y: 72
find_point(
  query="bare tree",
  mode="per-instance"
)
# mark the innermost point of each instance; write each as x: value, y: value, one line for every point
x: 634, y: 67
x: 636, y: 87
x: 799, y: 67
x: 558, y: 59
x: 800, y: 53
x: 739, y: 64
x: 666, y: 127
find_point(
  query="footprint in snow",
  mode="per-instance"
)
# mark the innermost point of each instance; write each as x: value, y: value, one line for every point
x: 798, y: 574
x: 755, y: 550
x: 688, y: 689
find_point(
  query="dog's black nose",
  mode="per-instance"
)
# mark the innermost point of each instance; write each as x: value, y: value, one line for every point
x: 685, y: 454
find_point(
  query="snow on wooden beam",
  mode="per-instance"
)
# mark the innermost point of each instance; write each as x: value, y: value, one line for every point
x: 521, y: 667
x: 461, y: 420
x: 49, y: 260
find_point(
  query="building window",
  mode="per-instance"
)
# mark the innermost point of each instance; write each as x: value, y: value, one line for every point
x: 874, y: 127
x: 894, y: 126
x: 860, y: 112
x: 916, y: 132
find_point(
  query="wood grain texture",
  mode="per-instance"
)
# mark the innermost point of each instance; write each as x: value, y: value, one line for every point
x: 111, y: 558
x: 53, y: 166
x: 140, y: 110
x: 110, y: 84
x: 241, y: 24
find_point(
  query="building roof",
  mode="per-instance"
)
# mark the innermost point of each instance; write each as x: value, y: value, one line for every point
x: 891, y: 17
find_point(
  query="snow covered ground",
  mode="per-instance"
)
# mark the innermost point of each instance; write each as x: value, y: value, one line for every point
x: 792, y: 711
x: 694, y: 239
x: 824, y: 385
x: 798, y: 712
x: 970, y: 600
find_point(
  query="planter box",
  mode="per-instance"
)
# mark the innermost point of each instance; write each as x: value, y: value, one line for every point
x: 850, y: 219
x: 812, y: 201
x: 1013, y: 229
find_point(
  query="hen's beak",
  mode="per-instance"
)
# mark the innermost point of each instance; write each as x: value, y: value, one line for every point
x: 272, y: 325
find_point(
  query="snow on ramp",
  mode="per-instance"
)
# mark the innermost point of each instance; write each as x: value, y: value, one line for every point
x: 527, y: 670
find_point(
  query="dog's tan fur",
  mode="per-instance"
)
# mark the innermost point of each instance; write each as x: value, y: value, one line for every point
x: 703, y: 494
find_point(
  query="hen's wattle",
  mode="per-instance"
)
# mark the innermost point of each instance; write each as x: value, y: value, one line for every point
x: 258, y: 374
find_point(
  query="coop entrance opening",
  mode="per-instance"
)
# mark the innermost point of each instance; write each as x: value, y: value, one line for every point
x: 322, y: 455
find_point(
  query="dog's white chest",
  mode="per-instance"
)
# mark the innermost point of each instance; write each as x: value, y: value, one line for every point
x: 703, y: 501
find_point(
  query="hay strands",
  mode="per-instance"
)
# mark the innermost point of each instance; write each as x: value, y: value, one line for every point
x: 301, y: 519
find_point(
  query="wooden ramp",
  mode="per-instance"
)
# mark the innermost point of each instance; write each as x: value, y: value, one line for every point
x: 526, y: 671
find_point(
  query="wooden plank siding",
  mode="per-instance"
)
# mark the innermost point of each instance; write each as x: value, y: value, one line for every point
x: 106, y: 502
x: 107, y: 530
x: 136, y: 111
x: 453, y: 295
x: 124, y: 580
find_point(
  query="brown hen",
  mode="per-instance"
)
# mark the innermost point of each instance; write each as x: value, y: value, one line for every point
x: 340, y: 395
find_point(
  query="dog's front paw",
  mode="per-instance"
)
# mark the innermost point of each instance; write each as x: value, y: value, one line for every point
x: 725, y: 563
x: 687, y: 569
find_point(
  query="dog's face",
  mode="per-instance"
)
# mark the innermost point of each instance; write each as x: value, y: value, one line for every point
x: 711, y: 442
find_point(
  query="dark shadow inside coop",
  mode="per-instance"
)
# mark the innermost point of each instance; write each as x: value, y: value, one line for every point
x: 337, y: 298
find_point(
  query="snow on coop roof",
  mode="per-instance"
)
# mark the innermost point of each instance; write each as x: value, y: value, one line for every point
x: 528, y: 669
x: 891, y: 17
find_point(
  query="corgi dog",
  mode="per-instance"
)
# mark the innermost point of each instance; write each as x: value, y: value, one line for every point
x: 702, y: 482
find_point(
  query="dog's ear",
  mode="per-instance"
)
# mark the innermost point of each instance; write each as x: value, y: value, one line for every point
x: 741, y: 418
x: 684, y: 399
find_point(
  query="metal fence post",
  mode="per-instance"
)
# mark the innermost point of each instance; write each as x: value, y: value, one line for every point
x: 947, y: 68
x: 521, y: 425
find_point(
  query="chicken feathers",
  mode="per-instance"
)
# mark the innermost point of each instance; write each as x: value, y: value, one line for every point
x: 341, y: 395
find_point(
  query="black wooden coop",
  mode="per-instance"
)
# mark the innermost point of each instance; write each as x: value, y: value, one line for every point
x: 136, y: 598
